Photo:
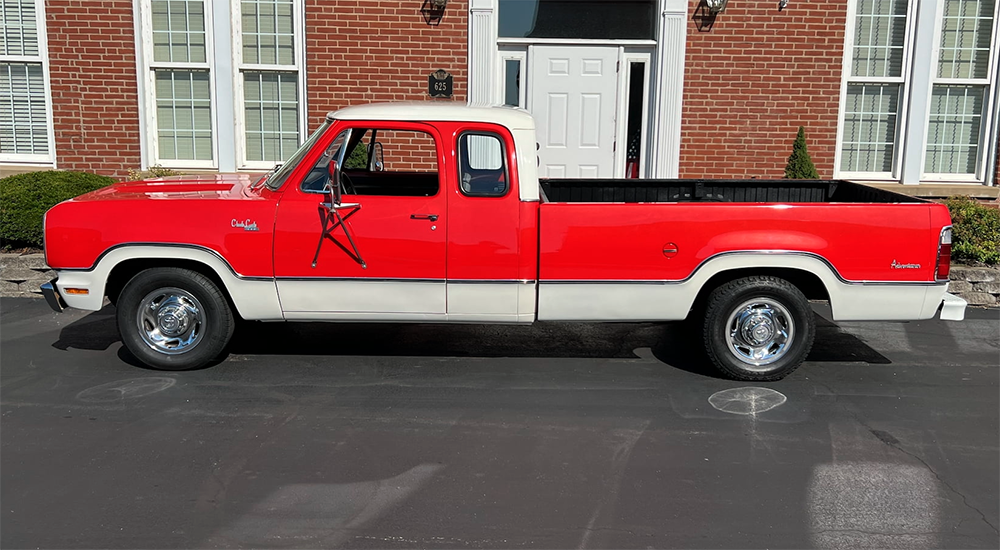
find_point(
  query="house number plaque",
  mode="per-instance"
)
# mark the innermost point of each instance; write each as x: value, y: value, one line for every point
x: 439, y: 83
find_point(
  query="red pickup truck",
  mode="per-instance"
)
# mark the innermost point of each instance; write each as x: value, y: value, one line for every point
x: 434, y: 213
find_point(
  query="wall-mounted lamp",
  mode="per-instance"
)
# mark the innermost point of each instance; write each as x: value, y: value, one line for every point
x: 433, y: 11
x: 782, y: 4
x: 716, y: 6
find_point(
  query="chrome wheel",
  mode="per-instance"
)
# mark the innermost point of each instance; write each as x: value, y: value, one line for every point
x: 170, y: 320
x: 760, y: 332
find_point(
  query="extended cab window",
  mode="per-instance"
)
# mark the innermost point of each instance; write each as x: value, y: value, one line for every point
x: 482, y: 170
x: 400, y: 163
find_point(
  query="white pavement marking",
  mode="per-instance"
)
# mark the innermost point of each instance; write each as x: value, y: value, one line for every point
x: 121, y: 390
x: 627, y: 440
x: 749, y: 401
x: 321, y: 515
x: 866, y: 499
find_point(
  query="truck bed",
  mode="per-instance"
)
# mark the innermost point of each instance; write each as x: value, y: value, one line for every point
x: 694, y: 190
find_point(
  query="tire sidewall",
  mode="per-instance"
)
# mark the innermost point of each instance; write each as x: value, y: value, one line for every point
x: 218, y: 322
x: 725, y: 300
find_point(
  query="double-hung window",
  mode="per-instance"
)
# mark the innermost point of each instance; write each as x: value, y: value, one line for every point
x: 25, y: 130
x: 268, y: 75
x: 874, y: 89
x: 919, y: 82
x: 960, y: 93
x: 222, y: 82
x: 179, y: 84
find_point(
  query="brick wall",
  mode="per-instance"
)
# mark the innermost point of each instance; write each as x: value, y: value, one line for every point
x: 94, y: 90
x: 752, y: 79
x: 363, y: 51
x: 408, y: 151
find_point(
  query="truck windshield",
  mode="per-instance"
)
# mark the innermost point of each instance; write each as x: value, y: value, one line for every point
x: 278, y: 176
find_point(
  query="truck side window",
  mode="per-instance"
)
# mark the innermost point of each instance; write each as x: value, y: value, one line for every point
x: 482, y: 171
x: 315, y: 180
x: 407, y: 164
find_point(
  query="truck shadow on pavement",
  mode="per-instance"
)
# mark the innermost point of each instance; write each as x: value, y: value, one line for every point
x: 670, y: 343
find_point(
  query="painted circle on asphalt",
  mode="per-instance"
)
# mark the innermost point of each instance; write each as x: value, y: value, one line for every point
x: 747, y: 401
x: 125, y: 389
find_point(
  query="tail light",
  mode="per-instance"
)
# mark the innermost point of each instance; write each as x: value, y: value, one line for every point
x: 944, y: 255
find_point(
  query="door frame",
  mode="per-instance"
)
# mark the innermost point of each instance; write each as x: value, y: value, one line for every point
x: 629, y: 51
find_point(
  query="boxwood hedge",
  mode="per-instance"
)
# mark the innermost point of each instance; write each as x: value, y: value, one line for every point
x: 975, y: 232
x: 24, y: 198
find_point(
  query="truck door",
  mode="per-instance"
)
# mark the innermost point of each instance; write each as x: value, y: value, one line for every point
x: 483, y: 231
x: 386, y: 261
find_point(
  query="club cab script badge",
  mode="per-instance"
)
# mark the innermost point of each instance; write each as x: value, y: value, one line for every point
x: 247, y: 225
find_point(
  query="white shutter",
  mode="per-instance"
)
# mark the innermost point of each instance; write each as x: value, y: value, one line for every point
x: 20, y: 28
x: 23, y: 124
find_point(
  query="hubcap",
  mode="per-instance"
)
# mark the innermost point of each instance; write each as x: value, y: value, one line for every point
x: 759, y: 332
x: 170, y: 320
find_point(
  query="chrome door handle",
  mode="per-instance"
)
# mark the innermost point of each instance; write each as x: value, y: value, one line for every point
x: 431, y: 217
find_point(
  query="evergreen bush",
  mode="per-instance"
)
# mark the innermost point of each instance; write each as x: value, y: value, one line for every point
x: 24, y: 198
x: 975, y: 234
x: 358, y: 159
x: 800, y: 166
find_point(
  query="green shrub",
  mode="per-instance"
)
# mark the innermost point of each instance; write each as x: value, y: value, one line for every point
x: 358, y: 159
x: 800, y: 165
x: 975, y: 236
x: 155, y: 171
x: 24, y: 198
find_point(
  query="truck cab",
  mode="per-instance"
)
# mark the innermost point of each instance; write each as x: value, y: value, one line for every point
x: 441, y: 225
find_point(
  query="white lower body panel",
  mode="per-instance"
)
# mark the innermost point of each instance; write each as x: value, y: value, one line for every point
x: 412, y: 301
x: 672, y: 301
x: 255, y: 298
x: 303, y: 299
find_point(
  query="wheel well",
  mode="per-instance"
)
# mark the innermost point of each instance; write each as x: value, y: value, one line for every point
x: 807, y: 282
x: 122, y: 273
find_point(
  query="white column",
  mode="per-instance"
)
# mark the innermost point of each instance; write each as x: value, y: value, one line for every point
x: 483, y: 31
x: 919, y: 85
x: 225, y: 103
x: 669, y: 89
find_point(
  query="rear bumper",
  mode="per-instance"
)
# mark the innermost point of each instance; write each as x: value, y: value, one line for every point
x: 52, y: 296
x: 952, y: 307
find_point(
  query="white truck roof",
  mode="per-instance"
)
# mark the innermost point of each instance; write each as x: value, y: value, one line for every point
x: 518, y: 121
x: 417, y: 111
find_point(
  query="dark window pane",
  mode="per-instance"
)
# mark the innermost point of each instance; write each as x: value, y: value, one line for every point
x: 636, y: 86
x: 512, y: 82
x: 594, y: 19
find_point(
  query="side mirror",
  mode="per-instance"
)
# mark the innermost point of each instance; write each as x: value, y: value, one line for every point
x: 377, y: 164
x: 333, y: 184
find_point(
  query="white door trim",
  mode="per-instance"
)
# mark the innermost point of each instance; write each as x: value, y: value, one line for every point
x: 666, y: 82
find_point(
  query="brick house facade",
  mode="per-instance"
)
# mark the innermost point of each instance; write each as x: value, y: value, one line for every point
x: 723, y: 93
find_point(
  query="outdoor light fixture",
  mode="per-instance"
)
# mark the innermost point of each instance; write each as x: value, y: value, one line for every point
x: 433, y: 11
x: 716, y: 6
x: 782, y: 4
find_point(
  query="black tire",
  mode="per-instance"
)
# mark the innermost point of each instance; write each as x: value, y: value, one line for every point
x: 195, y: 321
x: 760, y: 309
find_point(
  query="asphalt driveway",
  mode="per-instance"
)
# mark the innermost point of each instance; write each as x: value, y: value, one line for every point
x: 553, y: 436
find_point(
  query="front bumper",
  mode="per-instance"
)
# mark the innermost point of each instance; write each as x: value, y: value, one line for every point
x: 52, y: 296
x: 952, y: 307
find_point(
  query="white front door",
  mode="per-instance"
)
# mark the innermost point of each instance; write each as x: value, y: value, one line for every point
x: 573, y: 97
